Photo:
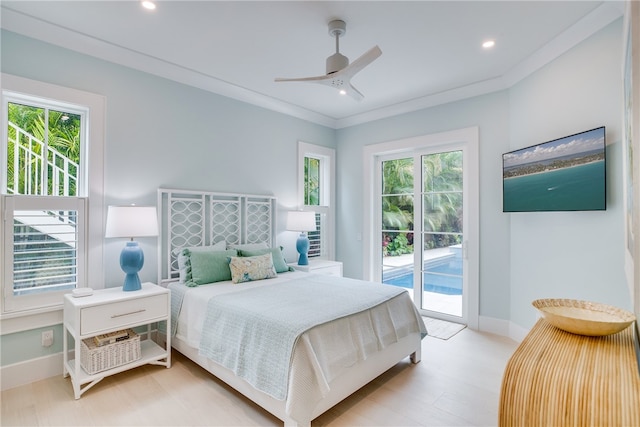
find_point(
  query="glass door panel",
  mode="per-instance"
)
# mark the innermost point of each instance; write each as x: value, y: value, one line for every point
x: 397, y: 222
x: 442, y: 209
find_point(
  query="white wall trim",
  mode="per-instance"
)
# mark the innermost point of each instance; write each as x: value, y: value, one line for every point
x: 30, y: 371
x: 19, y: 322
x: 502, y: 327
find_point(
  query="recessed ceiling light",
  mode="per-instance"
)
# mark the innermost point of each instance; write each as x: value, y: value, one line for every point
x: 489, y: 44
x: 148, y: 5
x: 343, y: 92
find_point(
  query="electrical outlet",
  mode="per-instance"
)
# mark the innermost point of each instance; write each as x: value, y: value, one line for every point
x: 47, y: 338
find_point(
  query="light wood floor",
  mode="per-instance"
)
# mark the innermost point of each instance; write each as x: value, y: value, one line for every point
x: 456, y: 384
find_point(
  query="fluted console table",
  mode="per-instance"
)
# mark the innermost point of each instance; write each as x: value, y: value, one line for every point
x: 555, y: 378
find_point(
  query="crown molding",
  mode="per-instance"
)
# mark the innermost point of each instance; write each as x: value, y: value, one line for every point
x: 57, y: 35
x: 28, y: 26
x: 593, y: 22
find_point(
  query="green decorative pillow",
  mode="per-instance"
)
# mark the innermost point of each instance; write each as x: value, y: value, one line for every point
x: 276, y: 253
x: 246, y: 269
x: 210, y: 266
x: 183, y: 255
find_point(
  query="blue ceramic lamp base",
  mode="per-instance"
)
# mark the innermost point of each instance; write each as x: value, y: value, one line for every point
x: 302, y: 245
x: 131, y: 261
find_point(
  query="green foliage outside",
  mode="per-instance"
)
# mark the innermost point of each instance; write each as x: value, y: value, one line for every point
x: 312, y: 181
x: 61, y: 133
x: 397, y: 244
x: 442, y: 202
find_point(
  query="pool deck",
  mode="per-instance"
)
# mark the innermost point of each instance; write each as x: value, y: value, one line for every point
x: 401, y: 261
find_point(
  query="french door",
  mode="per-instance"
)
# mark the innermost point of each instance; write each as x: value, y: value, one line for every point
x: 423, y: 218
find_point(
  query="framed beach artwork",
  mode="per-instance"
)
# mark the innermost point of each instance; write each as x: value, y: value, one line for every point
x: 631, y: 148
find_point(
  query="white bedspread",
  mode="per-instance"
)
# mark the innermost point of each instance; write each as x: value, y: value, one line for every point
x: 322, y: 353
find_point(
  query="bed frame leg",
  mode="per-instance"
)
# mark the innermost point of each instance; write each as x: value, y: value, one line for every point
x: 416, y: 356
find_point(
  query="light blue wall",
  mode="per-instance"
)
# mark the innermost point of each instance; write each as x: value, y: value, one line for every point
x: 26, y: 345
x: 571, y: 254
x: 163, y: 133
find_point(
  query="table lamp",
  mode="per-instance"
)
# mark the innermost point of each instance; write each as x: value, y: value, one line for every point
x: 131, y: 221
x: 302, y: 221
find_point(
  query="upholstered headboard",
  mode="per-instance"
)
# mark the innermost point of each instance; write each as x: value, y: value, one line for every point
x: 190, y: 218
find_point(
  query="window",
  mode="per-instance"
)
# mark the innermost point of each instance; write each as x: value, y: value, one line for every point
x: 52, y: 136
x: 316, y: 193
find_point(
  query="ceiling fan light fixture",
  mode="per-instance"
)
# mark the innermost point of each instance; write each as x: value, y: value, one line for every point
x: 489, y: 44
x: 339, y: 70
x: 147, y: 4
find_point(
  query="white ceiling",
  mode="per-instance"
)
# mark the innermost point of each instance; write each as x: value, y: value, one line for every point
x: 431, y: 50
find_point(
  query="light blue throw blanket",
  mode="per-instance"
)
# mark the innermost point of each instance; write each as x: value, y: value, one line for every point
x: 253, y: 332
x: 177, y: 296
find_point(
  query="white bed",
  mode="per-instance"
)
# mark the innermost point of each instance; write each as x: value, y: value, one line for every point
x: 326, y: 364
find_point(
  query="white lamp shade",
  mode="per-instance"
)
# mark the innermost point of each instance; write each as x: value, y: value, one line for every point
x: 301, y: 221
x: 132, y: 221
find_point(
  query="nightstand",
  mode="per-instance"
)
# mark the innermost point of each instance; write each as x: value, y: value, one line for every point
x: 109, y: 310
x: 320, y: 266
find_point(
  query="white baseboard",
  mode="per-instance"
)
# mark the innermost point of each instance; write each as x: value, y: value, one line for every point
x: 38, y: 369
x: 29, y: 371
x: 502, y: 327
x: 517, y: 332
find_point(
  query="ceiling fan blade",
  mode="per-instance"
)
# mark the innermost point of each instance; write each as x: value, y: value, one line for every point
x: 334, y: 80
x: 365, y: 59
x: 354, y: 93
x: 302, y: 79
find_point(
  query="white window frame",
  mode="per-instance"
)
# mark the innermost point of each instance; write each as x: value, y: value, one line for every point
x: 371, y: 241
x: 327, y: 192
x: 52, y: 298
x: 41, y: 311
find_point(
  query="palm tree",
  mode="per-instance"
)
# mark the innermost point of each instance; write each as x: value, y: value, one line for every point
x: 61, y: 133
x: 312, y: 180
x: 397, y: 206
x: 442, y: 174
x: 397, y: 194
x: 442, y: 204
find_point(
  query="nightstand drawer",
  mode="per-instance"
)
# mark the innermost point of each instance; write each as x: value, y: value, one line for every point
x: 116, y: 315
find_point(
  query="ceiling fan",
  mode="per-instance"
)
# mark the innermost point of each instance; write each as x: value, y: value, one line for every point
x: 339, y: 71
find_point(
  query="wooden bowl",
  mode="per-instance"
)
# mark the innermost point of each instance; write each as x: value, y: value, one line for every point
x: 584, y: 317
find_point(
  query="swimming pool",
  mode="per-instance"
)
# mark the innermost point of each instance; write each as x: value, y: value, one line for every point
x: 443, y: 278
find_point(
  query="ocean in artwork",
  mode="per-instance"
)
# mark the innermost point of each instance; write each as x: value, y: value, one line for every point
x: 573, y: 188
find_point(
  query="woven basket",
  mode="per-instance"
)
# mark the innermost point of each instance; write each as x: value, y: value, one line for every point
x: 95, y: 359
x: 584, y: 317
